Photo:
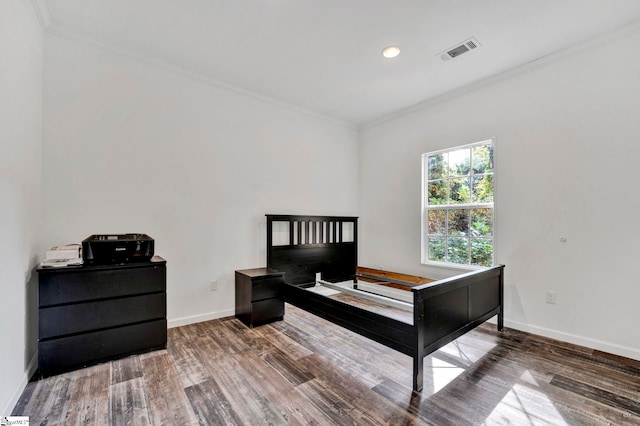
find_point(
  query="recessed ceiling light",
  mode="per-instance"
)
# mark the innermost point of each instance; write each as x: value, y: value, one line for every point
x: 390, y: 51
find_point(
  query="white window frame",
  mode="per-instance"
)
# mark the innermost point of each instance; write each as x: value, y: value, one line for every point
x: 426, y: 208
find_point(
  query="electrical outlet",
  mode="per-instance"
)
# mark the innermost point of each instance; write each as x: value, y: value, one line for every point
x: 551, y: 297
x: 213, y: 285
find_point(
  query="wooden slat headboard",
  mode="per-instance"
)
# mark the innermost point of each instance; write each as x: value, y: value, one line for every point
x: 306, y: 245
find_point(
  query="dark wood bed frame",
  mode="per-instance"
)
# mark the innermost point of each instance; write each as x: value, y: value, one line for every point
x: 443, y: 310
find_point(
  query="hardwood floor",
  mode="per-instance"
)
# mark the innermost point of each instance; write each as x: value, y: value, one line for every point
x: 304, y: 370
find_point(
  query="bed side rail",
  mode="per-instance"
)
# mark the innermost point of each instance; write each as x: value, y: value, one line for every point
x: 387, y: 331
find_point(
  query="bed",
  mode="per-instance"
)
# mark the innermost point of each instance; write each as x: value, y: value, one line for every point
x: 318, y: 255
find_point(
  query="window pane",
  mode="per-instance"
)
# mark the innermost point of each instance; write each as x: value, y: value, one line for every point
x: 459, y: 191
x: 459, y: 162
x: 437, y: 192
x: 482, y: 158
x: 458, y: 222
x: 437, y: 222
x: 483, y: 189
x: 436, y: 248
x: 458, y: 202
x: 482, y: 222
x: 458, y: 250
x: 437, y: 167
x: 481, y: 252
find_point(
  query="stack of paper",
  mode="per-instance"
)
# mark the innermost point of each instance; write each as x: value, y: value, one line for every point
x: 59, y: 256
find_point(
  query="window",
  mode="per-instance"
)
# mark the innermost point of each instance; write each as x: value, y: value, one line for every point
x: 457, y: 205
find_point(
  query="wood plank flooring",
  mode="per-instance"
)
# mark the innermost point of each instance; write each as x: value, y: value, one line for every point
x: 306, y: 371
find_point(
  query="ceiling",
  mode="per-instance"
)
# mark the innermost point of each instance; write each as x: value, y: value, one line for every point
x: 325, y: 55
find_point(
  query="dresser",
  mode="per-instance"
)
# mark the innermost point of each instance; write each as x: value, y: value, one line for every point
x: 259, y: 296
x: 95, y: 313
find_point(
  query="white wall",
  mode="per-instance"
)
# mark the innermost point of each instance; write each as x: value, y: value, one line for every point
x: 567, y: 152
x: 135, y: 147
x: 20, y: 192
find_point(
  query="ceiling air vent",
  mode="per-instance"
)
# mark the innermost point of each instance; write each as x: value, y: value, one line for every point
x: 455, y: 51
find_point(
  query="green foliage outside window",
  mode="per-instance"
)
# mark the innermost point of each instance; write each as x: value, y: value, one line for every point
x: 459, y: 205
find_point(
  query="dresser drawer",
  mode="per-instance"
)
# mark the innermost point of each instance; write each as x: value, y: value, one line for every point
x: 58, y: 355
x: 71, y: 287
x: 81, y: 317
x: 266, y: 288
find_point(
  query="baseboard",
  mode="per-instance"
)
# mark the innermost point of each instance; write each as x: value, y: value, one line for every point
x: 576, y: 340
x: 192, y: 319
x: 15, y: 396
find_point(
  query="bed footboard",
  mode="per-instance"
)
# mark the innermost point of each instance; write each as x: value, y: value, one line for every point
x: 446, y: 309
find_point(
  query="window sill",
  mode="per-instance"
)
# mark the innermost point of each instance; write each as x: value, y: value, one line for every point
x: 452, y: 266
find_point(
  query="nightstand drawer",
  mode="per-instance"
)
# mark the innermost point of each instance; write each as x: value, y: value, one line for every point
x: 266, y: 288
x: 266, y: 310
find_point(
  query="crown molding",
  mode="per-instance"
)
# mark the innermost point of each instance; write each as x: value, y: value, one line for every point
x: 56, y: 30
x: 554, y: 57
x: 42, y: 12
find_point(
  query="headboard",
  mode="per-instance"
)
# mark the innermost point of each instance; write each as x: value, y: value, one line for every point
x: 301, y: 246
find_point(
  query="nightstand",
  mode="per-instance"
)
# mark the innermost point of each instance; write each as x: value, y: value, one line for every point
x: 259, y: 296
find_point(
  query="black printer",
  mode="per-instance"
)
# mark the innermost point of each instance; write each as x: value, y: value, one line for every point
x: 117, y: 248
